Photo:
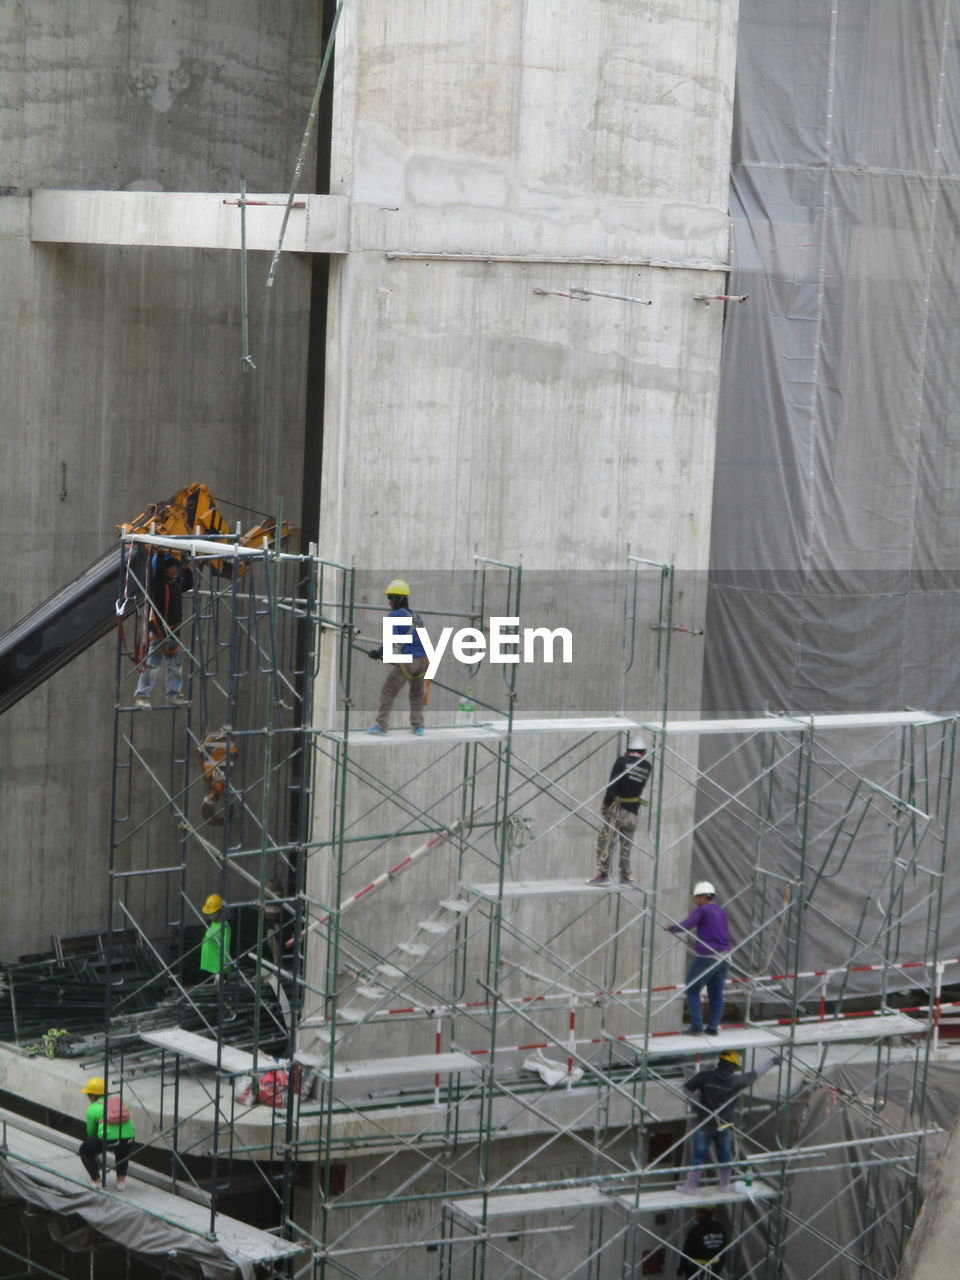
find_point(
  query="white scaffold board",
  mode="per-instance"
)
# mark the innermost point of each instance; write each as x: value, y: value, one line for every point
x: 658, y: 1201
x: 203, y: 1049
x: 141, y: 1217
x: 543, y: 888
x: 570, y: 724
x: 502, y: 1206
x: 832, y: 1030
x: 431, y: 1064
x: 799, y: 724
x: 443, y: 735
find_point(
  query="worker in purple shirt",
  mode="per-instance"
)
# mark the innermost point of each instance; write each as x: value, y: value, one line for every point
x: 708, y: 965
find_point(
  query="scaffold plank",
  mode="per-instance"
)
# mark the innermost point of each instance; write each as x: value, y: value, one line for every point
x: 798, y: 724
x: 574, y: 1199
x: 499, y: 728
x: 421, y: 1064
x: 570, y: 724
x: 544, y: 888
x: 871, y: 1027
x: 203, y: 1049
x: 657, y: 1201
x: 405, y: 737
x: 505, y: 1205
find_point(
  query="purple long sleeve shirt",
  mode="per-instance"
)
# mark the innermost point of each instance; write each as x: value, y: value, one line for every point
x: 710, y: 924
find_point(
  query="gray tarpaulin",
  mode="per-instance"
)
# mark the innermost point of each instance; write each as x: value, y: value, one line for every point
x: 124, y: 1223
x: 835, y: 584
x: 43, y: 1168
x: 850, y: 1193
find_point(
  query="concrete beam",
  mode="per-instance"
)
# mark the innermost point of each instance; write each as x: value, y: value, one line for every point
x: 188, y: 220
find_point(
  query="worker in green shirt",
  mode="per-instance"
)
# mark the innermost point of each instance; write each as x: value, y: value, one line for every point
x: 111, y: 1128
x: 215, y: 947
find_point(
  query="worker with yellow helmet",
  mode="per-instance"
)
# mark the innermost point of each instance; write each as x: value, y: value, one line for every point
x: 215, y: 947
x: 414, y: 665
x: 109, y: 1128
x: 713, y: 1094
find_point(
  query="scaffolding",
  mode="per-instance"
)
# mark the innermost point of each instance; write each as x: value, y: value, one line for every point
x: 436, y: 1049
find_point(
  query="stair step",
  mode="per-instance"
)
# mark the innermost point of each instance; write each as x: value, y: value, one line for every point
x: 390, y: 970
x: 432, y: 926
x: 456, y: 904
x: 413, y: 948
x: 351, y: 1015
x: 370, y: 992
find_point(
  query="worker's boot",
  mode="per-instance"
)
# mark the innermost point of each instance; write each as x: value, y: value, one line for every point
x: 725, y: 1176
x: 690, y: 1183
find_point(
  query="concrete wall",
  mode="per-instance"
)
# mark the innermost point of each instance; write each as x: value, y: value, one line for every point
x: 121, y: 367
x: 490, y: 152
x: 556, y: 135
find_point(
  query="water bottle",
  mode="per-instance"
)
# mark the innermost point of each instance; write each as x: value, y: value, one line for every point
x: 466, y: 708
x: 748, y: 1177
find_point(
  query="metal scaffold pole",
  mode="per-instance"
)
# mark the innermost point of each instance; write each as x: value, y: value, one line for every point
x: 472, y: 1016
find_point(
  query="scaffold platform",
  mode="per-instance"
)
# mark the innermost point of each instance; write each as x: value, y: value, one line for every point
x: 470, y: 1210
x: 487, y: 730
x: 778, y: 1038
x: 495, y: 729
x: 545, y: 888
x: 222, y: 1057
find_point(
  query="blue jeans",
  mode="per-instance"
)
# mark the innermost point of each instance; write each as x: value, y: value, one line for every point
x: 172, y: 678
x: 722, y: 1143
x: 712, y: 973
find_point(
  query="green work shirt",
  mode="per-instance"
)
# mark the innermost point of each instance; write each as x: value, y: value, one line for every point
x: 215, y: 948
x: 95, y: 1124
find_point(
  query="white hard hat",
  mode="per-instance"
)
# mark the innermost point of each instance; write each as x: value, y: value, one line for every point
x: 704, y: 886
x: 637, y: 742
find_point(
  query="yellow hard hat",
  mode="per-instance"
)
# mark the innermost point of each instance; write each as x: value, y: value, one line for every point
x: 397, y: 588
x: 730, y: 1055
x: 213, y: 904
x: 95, y: 1087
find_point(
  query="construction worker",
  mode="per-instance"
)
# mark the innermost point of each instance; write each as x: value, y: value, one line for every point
x: 705, y: 1242
x: 113, y: 1131
x: 708, y: 965
x: 620, y: 809
x: 713, y: 1095
x: 215, y: 947
x: 169, y: 581
x: 411, y: 669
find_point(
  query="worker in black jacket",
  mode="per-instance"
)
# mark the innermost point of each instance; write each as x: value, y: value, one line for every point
x: 705, y: 1242
x: 621, y: 806
x: 713, y: 1094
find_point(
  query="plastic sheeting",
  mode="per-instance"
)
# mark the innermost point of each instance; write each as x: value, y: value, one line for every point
x: 835, y: 583
x: 125, y: 1224
x: 854, y: 1198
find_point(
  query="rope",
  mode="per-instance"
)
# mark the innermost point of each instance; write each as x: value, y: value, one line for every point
x: 311, y: 121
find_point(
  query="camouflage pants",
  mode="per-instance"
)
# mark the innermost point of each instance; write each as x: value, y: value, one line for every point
x: 618, y: 823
